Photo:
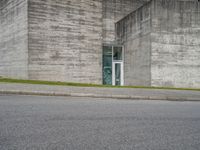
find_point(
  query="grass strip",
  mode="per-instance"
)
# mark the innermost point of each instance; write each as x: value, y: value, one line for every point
x: 57, y: 83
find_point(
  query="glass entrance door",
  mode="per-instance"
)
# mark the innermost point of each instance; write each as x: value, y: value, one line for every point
x: 113, y: 65
x: 118, y: 76
x: 118, y: 73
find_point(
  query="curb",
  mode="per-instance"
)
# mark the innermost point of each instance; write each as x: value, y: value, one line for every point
x: 121, y: 97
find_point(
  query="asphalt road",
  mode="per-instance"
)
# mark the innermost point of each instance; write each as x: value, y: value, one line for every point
x: 69, y: 123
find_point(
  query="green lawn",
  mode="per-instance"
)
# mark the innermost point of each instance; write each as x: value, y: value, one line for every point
x: 9, y: 80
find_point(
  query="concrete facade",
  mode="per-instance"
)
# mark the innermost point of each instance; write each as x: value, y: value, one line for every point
x: 175, y: 41
x: 65, y: 40
x: 62, y: 40
x: 13, y: 38
x: 113, y: 11
x: 162, y: 44
x: 134, y: 33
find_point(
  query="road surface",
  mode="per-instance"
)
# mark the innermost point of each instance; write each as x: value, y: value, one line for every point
x: 74, y: 123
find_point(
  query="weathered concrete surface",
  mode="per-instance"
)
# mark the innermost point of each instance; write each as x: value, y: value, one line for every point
x: 65, y: 40
x: 176, y: 43
x: 134, y: 33
x: 13, y: 39
x: 113, y: 11
x: 62, y: 40
x: 163, y: 49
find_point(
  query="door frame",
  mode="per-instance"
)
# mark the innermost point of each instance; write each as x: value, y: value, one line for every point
x: 121, y: 62
x: 122, y: 72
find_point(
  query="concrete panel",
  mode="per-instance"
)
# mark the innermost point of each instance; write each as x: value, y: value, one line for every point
x: 13, y: 39
x: 137, y: 62
x: 113, y: 11
x: 65, y: 40
x: 133, y: 32
x: 176, y: 44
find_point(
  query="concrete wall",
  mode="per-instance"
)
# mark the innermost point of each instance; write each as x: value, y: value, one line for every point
x: 113, y: 11
x: 176, y: 43
x: 65, y: 40
x: 133, y: 32
x: 13, y: 39
x: 62, y: 40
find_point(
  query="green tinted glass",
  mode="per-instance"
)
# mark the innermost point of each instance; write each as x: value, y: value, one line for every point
x: 107, y: 65
x: 117, y: 53
x: 117, y: 74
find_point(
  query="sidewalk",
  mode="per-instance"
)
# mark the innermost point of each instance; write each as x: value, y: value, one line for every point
x: 119, y: 93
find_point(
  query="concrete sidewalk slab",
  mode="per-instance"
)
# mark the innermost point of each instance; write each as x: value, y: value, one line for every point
x: 98, y: 92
